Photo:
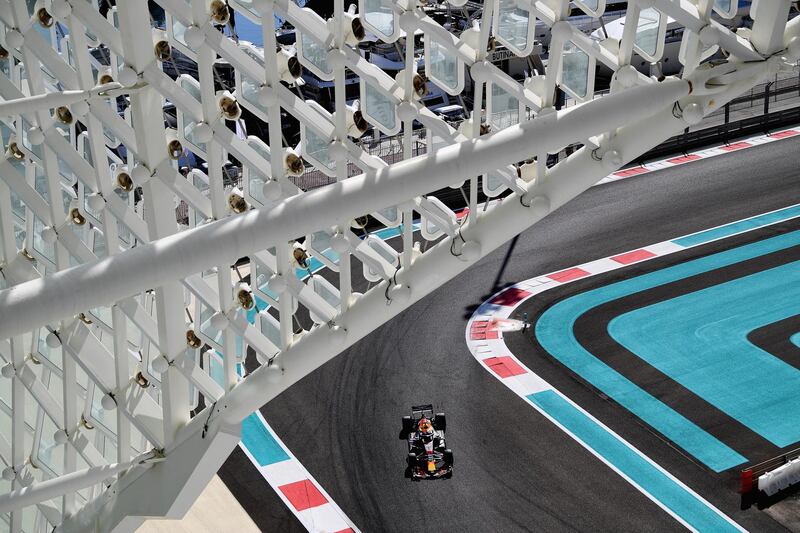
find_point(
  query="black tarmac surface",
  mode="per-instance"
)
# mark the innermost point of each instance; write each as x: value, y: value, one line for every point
x: 514, y: 470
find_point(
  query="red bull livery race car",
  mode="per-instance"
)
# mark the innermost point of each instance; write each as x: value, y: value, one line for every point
x: 428, y: 454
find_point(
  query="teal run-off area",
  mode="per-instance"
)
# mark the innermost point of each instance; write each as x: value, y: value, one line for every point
x: 722, y: 386
x: 700, y: 341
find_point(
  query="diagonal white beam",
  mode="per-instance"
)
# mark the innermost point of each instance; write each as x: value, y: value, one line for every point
x: 71, y: 291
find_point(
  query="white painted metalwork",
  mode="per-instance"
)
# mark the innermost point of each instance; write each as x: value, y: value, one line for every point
x: 107, y: 299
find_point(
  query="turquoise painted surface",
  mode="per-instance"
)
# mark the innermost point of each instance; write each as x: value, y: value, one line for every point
x: 554, y: 332
x: 738, y: 227
x: 676, y: 498
x: 700, y: 341
x: 260, y: 442
x: 795, y: 339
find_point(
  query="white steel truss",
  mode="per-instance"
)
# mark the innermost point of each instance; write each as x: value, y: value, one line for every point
x: 123, y: 332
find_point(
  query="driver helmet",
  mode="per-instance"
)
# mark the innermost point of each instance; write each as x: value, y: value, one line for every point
x: 425, y: 427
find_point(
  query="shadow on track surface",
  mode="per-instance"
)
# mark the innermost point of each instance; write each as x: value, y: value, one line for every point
x: 496, y: 286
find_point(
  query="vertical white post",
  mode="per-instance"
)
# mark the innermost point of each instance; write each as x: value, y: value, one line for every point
x: 769, y: 22
x: 159, y: 210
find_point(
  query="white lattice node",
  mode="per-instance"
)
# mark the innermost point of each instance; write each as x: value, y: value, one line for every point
x: 170, y: 193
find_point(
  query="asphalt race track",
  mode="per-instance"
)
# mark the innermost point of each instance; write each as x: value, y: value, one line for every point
x: 514, y: 470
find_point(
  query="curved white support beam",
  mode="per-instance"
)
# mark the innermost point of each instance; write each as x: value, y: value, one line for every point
x: 72, y: 291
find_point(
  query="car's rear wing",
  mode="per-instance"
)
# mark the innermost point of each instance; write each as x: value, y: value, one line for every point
x: 418, y: 410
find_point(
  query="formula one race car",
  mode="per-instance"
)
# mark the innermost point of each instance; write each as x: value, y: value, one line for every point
x: 428, y: 455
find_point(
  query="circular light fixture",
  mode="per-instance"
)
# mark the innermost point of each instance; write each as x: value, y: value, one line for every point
x: 76, y: 217
x: 237, y: 203
x: 245, y: 299
x: 219, y: 12
x: 420, y: 85
x: 142, y: 381
x: 162, y: 50
x: 229, y: 107
x: 15, y: 152
x: 174, y: 149
x: 294, y: 164
x: 124, y: 181
x: 44, y: 18
x: 192, y: 340
x: 64, y: 115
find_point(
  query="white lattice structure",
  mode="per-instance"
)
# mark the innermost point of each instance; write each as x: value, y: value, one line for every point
x: 107, y: 302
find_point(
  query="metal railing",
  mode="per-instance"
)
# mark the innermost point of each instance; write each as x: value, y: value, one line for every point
x: 724, y: 133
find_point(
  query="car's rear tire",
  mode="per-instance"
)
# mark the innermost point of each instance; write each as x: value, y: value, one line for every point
x: 408, y: 425
x: 440, y: 422
x: 448, y: 456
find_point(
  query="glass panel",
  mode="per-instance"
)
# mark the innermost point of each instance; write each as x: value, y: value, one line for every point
x: 318, y: 148
x: 513, y: 25
x: 216, y: 369
x: 379, y: 107
x: 270, y: 328
x: 315, y: 53
x: 726, y: 8
x: 647, y: 31
x: 493, y: 185
x: 442, y: 66
x: 328, y: 292
x: 505, y: 108
x: 178, y: 31
x: 190, y: 135
x: 250, y: 91
x: 575, y: 70
x: 17, y: 206
x: 591, y: 5
x: 321, y: 245
x: 40, y: 183
x: 379, y: 15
